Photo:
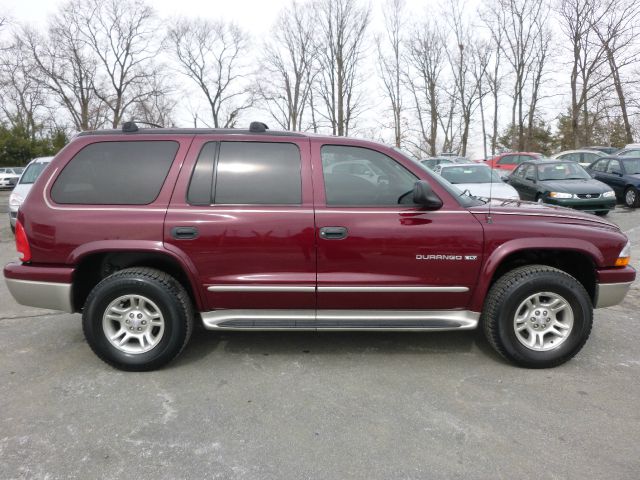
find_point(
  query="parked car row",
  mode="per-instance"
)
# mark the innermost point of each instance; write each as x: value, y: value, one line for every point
x: 9, y: 176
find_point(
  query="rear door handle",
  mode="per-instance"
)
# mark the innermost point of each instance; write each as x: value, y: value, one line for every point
x: 184, y: 233
x: 333, y: 233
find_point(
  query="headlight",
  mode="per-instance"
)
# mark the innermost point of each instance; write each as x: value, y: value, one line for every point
x: 609, y: 194
x: 560, y: 195
x: 15, y: 200
x: 624, y: 256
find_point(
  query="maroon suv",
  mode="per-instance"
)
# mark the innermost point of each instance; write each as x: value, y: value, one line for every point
x: 144, y: 231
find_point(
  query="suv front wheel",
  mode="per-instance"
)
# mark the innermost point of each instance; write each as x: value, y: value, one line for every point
x: 537, y: 316
x: 138, y: 319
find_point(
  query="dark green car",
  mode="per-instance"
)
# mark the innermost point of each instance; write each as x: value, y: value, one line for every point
x: 563, y: 183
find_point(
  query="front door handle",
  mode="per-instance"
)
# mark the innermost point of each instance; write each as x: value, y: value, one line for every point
x: 184, y: 233
x: 333, y: 233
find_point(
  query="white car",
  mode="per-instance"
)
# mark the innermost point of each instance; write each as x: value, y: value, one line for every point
x: 9, y: 176
x: 583, y: 157
x: 479, y: 179
x: 28, y: 177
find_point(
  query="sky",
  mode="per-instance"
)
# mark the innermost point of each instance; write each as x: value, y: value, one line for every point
x: 255, y: 17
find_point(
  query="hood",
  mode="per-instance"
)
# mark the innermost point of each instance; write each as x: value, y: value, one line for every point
x: 495, y: 190
x: 575, y: 186
x: 519, y: 207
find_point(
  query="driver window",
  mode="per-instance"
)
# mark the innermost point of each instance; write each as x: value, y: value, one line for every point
x: 530, y: 173
x: 386, y: 180
x: 614, y: 167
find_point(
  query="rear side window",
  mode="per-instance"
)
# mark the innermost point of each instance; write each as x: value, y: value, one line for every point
x: 115, y: 173
x: 258, y: 173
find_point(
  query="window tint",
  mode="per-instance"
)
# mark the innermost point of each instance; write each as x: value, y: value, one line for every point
x: 385, y: 182
x: 599, y: 166
x: 508, y: 160
x: 630, y: 153
x: 258, y: 173
x: 614, y: 167
x: 530, y: 173
x: 115, y: 173
x: 202, y: 177
x: 32, y: 173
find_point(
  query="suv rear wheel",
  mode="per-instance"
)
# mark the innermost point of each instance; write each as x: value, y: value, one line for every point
x: 138, y: 319
x: 537, y: 316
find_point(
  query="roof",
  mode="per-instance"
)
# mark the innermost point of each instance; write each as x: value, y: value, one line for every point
x: 193, y: 131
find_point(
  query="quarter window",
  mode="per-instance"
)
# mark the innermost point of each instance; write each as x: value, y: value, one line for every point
x: 115, y: 173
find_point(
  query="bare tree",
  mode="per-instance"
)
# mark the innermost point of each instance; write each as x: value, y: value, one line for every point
x: 157, y: 108
x: 342, y: 25
x: 210, y: 53
x: 523, y: 23
x: 69, y: 67
x: 615, y: 25
x: 425, y: 59
x: 587, y: 60
x: 23, y: 99
x: 289, y: 58
x: 463, y: 56
x: 492, y: 18
x: 121, y: 35
x: 390, y: 63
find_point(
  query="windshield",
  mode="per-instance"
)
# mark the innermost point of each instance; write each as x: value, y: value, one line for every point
x: 562, y: 171
x: 470, y: 174
x: 32, y: 172
x: 632, y: 166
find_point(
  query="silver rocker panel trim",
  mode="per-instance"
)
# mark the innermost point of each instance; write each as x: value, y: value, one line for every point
x: 334, y: 289
x: 261, y: 288
x: 361, y: 320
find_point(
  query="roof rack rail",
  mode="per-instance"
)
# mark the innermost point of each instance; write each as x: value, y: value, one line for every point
x: 258, y: 127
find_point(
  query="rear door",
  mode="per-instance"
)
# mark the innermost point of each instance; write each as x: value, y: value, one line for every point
x: 242, y: 212
x: 376, y: 250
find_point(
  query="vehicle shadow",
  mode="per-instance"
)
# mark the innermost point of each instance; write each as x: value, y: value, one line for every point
x: 294, y: 344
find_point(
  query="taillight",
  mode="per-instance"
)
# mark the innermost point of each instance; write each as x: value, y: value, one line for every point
x: 22, y: 243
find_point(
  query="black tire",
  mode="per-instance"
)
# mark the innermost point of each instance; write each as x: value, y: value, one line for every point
x: 506, y: 299
x: 160, y: 290
x: 602, y: 213
x: 631, y: 197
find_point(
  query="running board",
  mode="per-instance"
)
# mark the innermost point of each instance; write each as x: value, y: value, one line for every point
x: 364, y: 320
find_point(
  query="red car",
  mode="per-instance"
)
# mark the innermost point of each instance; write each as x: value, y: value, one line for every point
x: 509, y: 161
x: 146, y: 231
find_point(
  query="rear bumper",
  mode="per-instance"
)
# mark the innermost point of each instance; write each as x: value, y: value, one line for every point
x: 40, y: 287
x: 613, y: 285
x: 54, y: 296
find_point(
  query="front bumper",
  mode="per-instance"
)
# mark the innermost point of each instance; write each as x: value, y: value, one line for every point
x: 587, y: 205
x: 40, y: 287
x: 612, y: 285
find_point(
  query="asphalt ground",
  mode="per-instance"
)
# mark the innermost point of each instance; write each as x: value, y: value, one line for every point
x: 318, y: 405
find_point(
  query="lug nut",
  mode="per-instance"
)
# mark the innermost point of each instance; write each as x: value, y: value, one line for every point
x: 129, y: 321
x: 544, y: 313
x: 139, y: 329
x: 536, y: 326
x: 537, y: 312
x: 144, y: 322
x: 139, y: 315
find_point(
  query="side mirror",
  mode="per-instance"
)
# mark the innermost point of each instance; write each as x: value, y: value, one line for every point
x: 423, y: 195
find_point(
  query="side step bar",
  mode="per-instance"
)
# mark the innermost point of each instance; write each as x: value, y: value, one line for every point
x: 364, y: 320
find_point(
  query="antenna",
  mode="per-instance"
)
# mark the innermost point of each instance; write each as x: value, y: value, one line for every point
x: 491, y: 171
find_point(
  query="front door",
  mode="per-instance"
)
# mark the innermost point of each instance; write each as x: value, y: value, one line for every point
x: 376, y: 250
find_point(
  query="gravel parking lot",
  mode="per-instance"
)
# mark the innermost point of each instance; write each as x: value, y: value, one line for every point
x: 318, y: 405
